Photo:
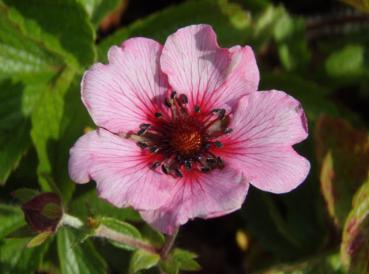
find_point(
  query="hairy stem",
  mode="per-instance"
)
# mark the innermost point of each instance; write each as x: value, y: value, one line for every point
x: 169, y: 244
x: 105, y: 232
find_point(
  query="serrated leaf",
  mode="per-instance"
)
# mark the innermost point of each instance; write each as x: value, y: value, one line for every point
x: 46, y: 119
x: 229, y: 20
x: 50, y: 22
x: 355, y: 242
x: 16, y: 259
x: 11, y: 219
x: 343, y: 152
x: 78, y: 258
x: 186, y: 260
x: 142, y: 260
x: 122, y: 228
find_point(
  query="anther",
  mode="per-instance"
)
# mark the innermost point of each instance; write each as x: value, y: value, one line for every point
x: 167, y: 102
x: 155, y: 165
x: 183, y: 99
x: 220, y: 112
x: 144, y: 126
x: 154, y: 149
x: 178, y: 173
x: 220, y: 162
x: 173, y: 95
x: 158, y: 114
x: 228, y: 130
x: 188, y: 165
x: 165, y: 169
x: 197, y: 109
x: 205, y: 169
x: 211, y: 160
x: 218, y: 144
x: 142, y: 144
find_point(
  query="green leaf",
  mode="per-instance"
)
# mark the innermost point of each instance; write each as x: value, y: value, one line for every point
x: 230, y: 22
x: 24, y: 194
x: 122, y: 228
x: 347, y: 63
x: 88, y: 204
x: 39, y: 239
x: 98, y: 9
x: 322, y: 264
x: 355, y: 242
x: 78, y: 258
x: 46, y: 119
x: 15, y: 258
x: 361, y: 5
x: 290, y: 36
x: 51, y: 22
x: 186, y: 260
x: 142, y: 260
x: 11, y: 219
x: 343, y: 152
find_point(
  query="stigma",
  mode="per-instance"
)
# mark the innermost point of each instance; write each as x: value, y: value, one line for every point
x: 183, y: 140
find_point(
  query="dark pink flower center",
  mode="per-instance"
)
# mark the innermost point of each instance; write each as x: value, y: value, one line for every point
x: 184, y: 140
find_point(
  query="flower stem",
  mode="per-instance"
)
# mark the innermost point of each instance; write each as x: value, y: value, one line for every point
x: 105, y: 232
x: 169, y: 244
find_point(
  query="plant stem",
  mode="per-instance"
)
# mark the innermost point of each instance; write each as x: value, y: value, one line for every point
x: 169, y: 244
x: 105, y: 232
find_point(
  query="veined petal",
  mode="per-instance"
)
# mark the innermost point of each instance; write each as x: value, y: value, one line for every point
x: 265, y: 126
x: 120, y: 169
x: 242, y: 77
x: 124, y: 93
x: 201, y: 195
x: 194, y: 62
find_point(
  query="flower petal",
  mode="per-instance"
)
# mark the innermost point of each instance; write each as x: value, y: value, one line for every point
x: 242, y: 77
x: 194, y: 62
x: 124, y: 93
x: 265, y: 126
x: 120, y: 169
x: 203, y: 195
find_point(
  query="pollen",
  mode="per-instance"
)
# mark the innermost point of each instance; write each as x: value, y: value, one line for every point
x: 186, y: 138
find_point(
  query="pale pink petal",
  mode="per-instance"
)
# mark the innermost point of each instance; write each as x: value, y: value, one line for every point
x: 120, y: 169
x: 266, y: 125
x: 200, y: 195
x: 124, y: 93
x: 194, y: 63
x: 242, y: 77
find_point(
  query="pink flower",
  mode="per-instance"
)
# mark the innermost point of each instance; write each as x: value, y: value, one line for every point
x: 183, y: 131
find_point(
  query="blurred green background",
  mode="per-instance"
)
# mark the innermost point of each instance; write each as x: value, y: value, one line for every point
x: 317, y: 51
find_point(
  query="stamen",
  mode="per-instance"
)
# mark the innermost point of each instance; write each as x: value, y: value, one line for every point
x: 158, y: 115
x: 218, y: 144
x: 197, y: 109
x: 154, y: 149
x: 167, y: 102
x: 178, y: 173
x: 165, y: 169
x: 228, y: 130
x: 220, y: 112
x: 142, y: 145
x: 188, y: 165
x: 173, y: 95
x: 183, y: 99
x: 155, y: 165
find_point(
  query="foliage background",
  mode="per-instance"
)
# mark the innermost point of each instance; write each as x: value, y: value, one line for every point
x: 315, y: 50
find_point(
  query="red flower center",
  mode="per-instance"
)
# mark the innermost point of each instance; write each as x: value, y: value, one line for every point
x: 183, y: 140
x: 186, y: 137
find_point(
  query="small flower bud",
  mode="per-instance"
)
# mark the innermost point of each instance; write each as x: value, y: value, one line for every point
x: 43, y: 212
